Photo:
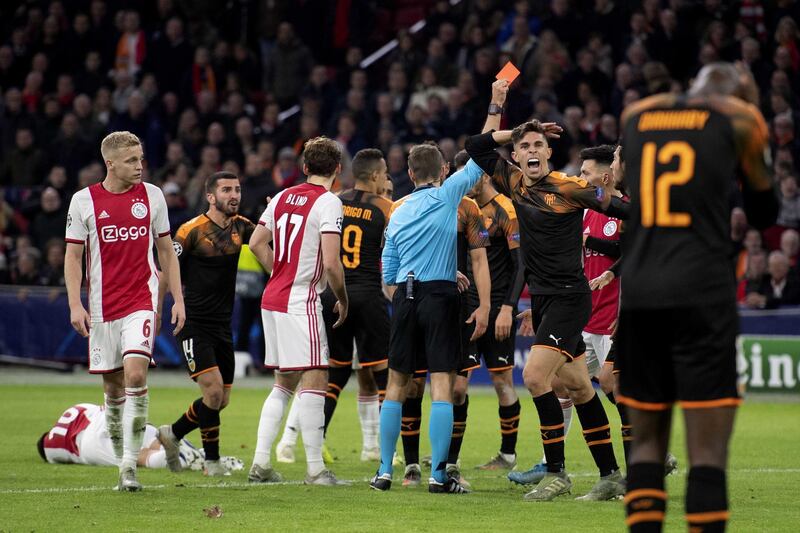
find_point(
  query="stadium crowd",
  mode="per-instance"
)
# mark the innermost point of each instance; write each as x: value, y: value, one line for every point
x: 245, y: 93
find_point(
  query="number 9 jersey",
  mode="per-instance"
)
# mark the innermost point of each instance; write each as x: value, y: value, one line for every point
x: 682, y: 155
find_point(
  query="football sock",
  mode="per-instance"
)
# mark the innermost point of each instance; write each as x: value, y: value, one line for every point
x: 368, y: 415
x: 459, y: 428
x: 509, y: 427
x: 391, y: 414
x: 440, y: 429
x: 645, y: 499
x: 134, y: 420
x: 312, y: 426
x: 566, y: 410
x: 551, y: 425
x: 706, y: 500
x: 412, y: 419
x: 269, y: 423
x: 189, y: 421
x: 381, y: 378
x: 209, y: 431
x: 337, y: 379
x: 292, y: 427
x: 114, y: 410
x: 597, y: 432
x: 625, y: 426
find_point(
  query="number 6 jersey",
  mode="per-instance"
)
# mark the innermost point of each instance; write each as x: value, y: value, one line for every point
x: 682, y: 157
x: 297, y: 218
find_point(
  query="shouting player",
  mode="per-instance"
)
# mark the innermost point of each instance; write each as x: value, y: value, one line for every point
x: 550, y: 207
x: 208, y: 249
x: 304, y: 223
x: 682, y: 154
x: 117, y: 222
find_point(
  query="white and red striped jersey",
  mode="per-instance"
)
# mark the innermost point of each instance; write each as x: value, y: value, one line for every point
x: 605, y: 302
x: 61, y: 443
x: 297, y: 218
x: 119, y: 231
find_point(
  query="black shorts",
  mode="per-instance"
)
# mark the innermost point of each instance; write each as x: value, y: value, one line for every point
x: 425, y: 330
x: 367, y: 325
x: 559, y: 319
x: 685, y: 355
x: 498, y: 356
x: 469, y: 349
x: 206, y: 348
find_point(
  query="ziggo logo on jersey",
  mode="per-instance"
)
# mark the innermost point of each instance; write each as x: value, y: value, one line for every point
x: 114, y: 233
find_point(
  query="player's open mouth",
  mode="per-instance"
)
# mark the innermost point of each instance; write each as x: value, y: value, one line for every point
x: 533, y: 163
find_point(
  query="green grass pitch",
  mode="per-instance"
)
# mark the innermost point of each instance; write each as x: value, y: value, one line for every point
x: 764, y: 476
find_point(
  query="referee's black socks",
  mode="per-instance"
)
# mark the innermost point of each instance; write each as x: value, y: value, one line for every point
x: 459, y: 428
x: 551, y: 425
x: 412, y: 417
x: 597, y: 432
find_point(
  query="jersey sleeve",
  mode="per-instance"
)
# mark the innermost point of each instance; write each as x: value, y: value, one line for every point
x: 475, y: 229
x: 752, y: 143
x: 330, y: 220
x: 510, y: 225
x: 77, y: 228
x: 247, y: 229
x: 183, y: 242
x: 159, y: 220
x: 267, y: 218
x: 581, y: 195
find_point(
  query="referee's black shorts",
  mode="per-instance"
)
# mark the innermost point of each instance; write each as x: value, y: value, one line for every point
x: 425, y: 330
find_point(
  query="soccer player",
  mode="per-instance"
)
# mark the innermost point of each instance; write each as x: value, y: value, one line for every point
x: 208, y: 248
x: 549, y: 207
x: 497, y: 345
x: 80, y: 436
x: 419, y: 261
x: 472, y: 240
x: 304, y: 223
x: 682, y: 154
x: 117, y: 222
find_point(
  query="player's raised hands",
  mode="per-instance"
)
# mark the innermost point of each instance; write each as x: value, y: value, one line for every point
x: 526, y: 323
x: 552, y: 130
x: 340, y: 309
x: 80, y: 320
x: 499, y: 92
x: 178, y: 317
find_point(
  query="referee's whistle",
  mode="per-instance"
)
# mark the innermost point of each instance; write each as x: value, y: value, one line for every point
x: 410, y: 285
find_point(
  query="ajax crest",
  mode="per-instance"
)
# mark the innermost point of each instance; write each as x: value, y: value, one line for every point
x: 610, y: 228
x: 139, y: 210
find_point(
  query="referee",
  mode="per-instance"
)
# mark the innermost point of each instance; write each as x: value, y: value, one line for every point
x: 419, y: 263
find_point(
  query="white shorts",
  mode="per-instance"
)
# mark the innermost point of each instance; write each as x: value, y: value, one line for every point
x: 597, y: 347
x: 111, y: 342
x: 94, y: 443
x: 294, y: 342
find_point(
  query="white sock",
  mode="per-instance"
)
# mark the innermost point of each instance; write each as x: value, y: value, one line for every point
x: 270, y: 423
x: 369, y: 415
x: 158, y: 459
x: 134, y: 420
x: 114, y: 410
x: 292, y: 427
x: 566, y: 409
x: 312, y: 425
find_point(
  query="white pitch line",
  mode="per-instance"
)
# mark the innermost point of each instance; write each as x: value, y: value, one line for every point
x: 65, y: 490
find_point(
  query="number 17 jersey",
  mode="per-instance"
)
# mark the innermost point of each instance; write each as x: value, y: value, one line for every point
x: 297, y: 218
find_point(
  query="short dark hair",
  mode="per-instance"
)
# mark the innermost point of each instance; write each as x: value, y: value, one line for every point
x: 40, y: 446
x: 321, y: 156
x: 425, y: 161
x: 526, y: 127
x: 603, y: 154
x: 211, y: 181
x: 461, y: 159
x: 366, y: 162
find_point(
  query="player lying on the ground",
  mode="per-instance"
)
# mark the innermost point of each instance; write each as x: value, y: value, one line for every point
x: 81, y: 437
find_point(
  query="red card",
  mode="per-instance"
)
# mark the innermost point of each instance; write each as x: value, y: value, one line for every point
x: 508, y: 72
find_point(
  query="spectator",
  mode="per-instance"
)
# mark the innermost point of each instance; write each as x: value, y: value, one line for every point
x: 51, y: 273
x: 753, y: 279
x: 176, y: 205
x: 170, y: 56
x: 26, y: 268
x: 51, y: 220
x: 26, y: 164
x: 69, y: 149
x: 790, y: 246
x: 398, y: 172
x: 789, y: 214
x: 257, y: 185
x: 287, y: 67
x: 780, y: 287
x: 132, y: 45
x: 286, y: 173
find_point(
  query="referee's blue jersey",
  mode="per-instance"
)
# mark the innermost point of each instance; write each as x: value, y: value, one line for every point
x: 421, y: 235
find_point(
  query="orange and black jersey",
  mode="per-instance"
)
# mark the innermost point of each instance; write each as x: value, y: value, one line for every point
x: 550, y: 214
x: 365, y: 217
x: 472, y: 233
x: 500, y: 219
x: 682, y: 155
x: 209, y: 257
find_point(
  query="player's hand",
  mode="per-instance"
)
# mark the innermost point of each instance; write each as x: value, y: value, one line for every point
x: 80, y: 320
x: 526, y: 323
x: 462, y: 281
x: 499, y: 92
x: 340, y: 309
x: 502, y: 325
x: 480, y: 317
x: 552, y: 130
x: 601, y: 281
x: 178, y: 317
